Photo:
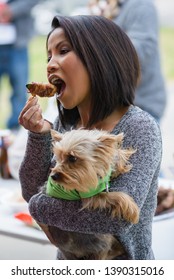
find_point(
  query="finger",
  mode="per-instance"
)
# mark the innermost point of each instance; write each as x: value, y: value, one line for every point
x: 27, y: 110
x: 31, y: 116
x: 30, y: 102
x: 35, y: 116
x: 31, y: 97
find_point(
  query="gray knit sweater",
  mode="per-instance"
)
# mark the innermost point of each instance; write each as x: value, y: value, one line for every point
x: 141, y: 132
x: 138, y: 18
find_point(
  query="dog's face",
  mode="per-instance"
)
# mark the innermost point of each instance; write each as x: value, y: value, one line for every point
x: 82, y: 157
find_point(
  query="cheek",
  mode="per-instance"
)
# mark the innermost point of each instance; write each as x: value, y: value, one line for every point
x: 78, y: 81
x: 82, y: 80
x: 77, y: 71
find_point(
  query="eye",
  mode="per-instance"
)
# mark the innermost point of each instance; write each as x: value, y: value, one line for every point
x: 48, y: 59
x: 71, y: 158
x: 64, y: 51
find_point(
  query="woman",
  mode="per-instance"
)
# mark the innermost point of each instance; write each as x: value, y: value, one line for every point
x: 98, y: 68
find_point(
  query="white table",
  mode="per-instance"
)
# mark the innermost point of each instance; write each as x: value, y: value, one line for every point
x: 18, y: 241
x: 10, y: 226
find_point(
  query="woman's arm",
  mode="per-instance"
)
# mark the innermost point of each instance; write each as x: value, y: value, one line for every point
x: 37, y: 160
x: 35, y: 166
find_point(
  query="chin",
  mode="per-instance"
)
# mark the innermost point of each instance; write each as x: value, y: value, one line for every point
x: 67, y: 106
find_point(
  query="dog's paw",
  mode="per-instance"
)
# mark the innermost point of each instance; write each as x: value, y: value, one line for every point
x: 123, y: 206
x: 118, y: 204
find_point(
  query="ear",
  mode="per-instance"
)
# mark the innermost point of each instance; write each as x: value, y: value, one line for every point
x: 122, y: 160
x: 56, y: 136
x: 111, y: 139
x: 119, y: 139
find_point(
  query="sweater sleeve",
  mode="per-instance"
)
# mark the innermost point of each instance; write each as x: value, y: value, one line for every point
x: 34, y: 169
x: 138, y: 183
x: 142, y: 179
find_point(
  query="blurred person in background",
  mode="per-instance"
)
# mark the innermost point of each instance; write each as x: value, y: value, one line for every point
x: 16, y: 29
x: 139, y: 19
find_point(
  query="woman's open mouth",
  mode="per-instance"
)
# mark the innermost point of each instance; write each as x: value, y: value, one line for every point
x: 60, y: 85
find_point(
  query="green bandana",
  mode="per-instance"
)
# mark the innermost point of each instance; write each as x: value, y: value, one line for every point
x: 55, y: 190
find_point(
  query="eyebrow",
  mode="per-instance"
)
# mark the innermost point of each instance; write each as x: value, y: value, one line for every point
x: 63, y: 41
x: 59, y: 43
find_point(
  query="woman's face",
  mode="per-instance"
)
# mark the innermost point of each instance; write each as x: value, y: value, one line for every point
x: 67, y: 72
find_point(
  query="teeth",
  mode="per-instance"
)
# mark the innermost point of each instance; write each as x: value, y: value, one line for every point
x: 56, y: 81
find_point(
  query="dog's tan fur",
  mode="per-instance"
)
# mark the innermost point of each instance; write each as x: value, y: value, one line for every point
x: 84, y: 156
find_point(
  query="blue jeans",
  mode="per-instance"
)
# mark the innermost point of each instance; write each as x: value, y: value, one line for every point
x: 14, y: 64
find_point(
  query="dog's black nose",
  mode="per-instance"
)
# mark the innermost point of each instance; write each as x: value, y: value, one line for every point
x: 55, y: 176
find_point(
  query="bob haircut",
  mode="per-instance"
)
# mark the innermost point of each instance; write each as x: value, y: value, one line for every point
x: 110, y: 59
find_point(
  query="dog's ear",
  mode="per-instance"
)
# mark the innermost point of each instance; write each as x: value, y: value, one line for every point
x: 111, y: 139
x: 119, y: 139
x: 122, y: 161
x: 56, y: 136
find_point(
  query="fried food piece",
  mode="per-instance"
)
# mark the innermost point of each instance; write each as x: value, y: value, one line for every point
x: 42, y: 90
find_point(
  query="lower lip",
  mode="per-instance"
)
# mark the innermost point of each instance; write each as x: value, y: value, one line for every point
x: 59, y: 95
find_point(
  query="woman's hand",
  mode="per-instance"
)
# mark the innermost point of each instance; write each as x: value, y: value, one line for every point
x: 31, y: 117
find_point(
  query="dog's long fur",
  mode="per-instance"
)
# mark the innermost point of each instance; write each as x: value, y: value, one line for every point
x: 82, y: 157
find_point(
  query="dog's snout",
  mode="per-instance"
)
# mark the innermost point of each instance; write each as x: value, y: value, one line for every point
x: 55, y: 176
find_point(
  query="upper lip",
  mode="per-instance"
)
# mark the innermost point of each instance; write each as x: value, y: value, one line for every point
x: 53, y: 79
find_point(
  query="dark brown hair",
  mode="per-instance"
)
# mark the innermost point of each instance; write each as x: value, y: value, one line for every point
x: 110, y: 59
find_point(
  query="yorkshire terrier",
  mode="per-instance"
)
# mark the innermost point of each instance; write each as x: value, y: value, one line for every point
x: 86, y: 160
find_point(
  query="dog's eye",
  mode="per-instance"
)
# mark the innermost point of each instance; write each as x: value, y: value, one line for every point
x: 72, y: 158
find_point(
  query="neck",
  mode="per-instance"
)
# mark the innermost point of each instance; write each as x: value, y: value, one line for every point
x: 108, y: 123
x: 55, y: 190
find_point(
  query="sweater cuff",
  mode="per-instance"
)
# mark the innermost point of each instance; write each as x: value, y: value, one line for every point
x: 40, y: 136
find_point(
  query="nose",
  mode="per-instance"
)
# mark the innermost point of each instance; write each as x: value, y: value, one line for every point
x: 56, y: 176
x: 52, y: 66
